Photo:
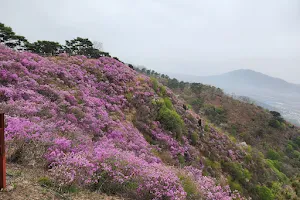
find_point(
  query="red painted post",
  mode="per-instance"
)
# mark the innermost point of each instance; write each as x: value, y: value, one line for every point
x: 2, y: 154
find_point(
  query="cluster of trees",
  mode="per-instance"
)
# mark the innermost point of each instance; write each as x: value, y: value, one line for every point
x: 77, y: 46
x: 277, y: 121
x: 10, y: 39
x: 171, y: 83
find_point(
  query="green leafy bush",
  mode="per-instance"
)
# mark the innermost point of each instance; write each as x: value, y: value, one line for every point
x: 154, y: 83
x: 274, y: 123
x: 168, y: 103
x: 166, y: 157
x: 163, y: 90
x: 219, y: 110
x: 173, y: 83
x: 149, y: 139
x: 189, y: 187
x: 170, y: 120
x: 128, y: 96
x: 289, y: 149
x: 181, y: 159
x: 273, y: 155
x: 69, y: 189
x: 206, y: 128
x: 197, y: 103
x: 296, y: 154
x: 213, y: 164
x: 215, y: 114
x: 275, y: 166
x: 106, y: 185
x: 45, y: 181
x: 194, y: 138
x: 237, y: 172
x: 277, y: 121
x: 297, y: 141
x: 265, y: 193
x: 234, y: 185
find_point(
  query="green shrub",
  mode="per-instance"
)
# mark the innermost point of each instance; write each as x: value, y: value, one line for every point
x: 219, y: 110
x: 69, y: 189
x: 163, y: 90
x: 131, y: 185
x: 129, y: 96
x: 168, y: 103
x: 159, y: 102
x: 49, y: 94
x: 248, y: 158
x: 265, y: 193
x: 166, y: 157
x: 234, y: 185
x: 296, y: 185
x: 296, y: 154
x: 213, y: 164
x: 275, y: 166
x: 194, y: 138
x: 274, y: 123
x: 289, y: 149
x: 197, y: 103
x: 80, y: 101
x: 232, y: 138
x: 181, y: 159
x: 149, y: 139
x: 79, y: 114
x: 273, y: 155
x: 171, y: 120
x: 237, y: 172
x: 233, y: 130
x: 215, y: 114
x: 45, y: 181
x: 276, y: 187
x: 297, y: 141
x: 106, y: 185
x: 154, y: 83
x: 189, y: 187
x: 293, y: 144
x: 206, y: 128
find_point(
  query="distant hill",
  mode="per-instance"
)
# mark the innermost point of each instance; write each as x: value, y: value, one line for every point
x: 277, y: 93
x: 246, y: 78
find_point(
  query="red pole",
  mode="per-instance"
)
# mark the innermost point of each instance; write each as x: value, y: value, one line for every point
x: 2, y: 154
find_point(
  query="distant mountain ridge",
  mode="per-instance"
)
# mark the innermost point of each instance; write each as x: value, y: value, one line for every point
x: 275, y: 92
x: 254, y: 79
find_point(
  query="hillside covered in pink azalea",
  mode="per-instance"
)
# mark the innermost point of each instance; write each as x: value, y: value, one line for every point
x: 95, y: 123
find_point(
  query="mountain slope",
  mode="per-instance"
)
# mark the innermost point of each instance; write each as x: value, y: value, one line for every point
x: 265, y: 131
x: 98, y: 124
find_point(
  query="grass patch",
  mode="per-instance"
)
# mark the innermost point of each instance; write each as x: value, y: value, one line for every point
x: 189, y: 187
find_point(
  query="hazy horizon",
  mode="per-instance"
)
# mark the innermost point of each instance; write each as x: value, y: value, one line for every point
x: 200, y: 38
x: 180, y: 75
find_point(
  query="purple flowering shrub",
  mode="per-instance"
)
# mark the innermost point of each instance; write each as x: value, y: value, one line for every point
x: 210, y: 190
x: 77, y: 111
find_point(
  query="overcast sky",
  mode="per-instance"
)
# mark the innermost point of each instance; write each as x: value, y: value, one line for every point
x: 198, y: 37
